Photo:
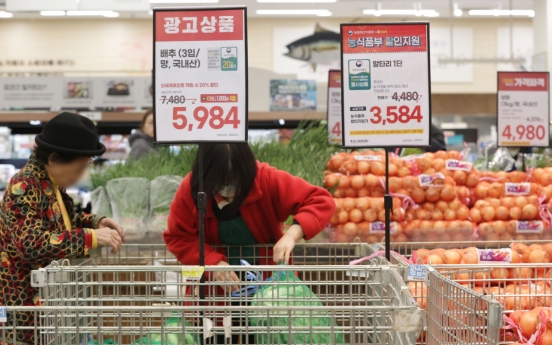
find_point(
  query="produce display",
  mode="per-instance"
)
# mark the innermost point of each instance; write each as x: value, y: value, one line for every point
x: 162, y: 191
x: 290, y: 291
x: 437, y: 197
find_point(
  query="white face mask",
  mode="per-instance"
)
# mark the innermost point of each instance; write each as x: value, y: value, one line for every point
x: 228, y: 191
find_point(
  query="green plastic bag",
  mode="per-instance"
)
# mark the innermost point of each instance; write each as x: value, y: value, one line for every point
x: 276, y: 294
x: 170, y: 338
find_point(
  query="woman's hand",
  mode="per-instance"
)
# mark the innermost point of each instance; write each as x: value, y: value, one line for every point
x: 111, y: 223
x: 226, y: 277
x: 282, y: 250
x: 108, y: 237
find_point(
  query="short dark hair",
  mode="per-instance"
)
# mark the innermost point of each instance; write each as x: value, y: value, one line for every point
x: 224, y: 164
x: 44, y: 156
x: 144, y: 118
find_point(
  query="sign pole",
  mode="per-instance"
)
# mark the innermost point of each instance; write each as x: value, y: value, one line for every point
x: 201, y: 204
x: 388, y: 207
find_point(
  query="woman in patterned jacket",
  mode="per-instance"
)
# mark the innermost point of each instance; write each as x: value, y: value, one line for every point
x: 38, y: 223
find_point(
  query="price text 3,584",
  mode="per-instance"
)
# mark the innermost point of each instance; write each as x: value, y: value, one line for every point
x: 394, y: 114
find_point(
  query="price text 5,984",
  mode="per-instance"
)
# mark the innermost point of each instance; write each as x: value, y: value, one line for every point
x: 214, y: 117
x: 394, y: 114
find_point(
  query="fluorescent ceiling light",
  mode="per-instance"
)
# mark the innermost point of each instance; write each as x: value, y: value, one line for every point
x: 109, y: 14
x: 497, y: 12
x: 294, y: 1
x: 457, y: 11
x: 182, y: 1
x: 52, y: 13
x: 320, y: 13
x: 418, y: 13
x: 4, y: 14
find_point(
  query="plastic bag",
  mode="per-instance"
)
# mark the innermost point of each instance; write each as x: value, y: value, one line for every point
x: 101, y: 205
x: 162, y: 193
x: 130, y: 204
x: 291, y: 295
x: 171, y: 338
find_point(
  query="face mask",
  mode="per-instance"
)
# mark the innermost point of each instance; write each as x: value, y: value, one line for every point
x: 228, y: 191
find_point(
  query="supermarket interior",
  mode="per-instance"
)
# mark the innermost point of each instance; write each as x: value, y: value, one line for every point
x: 164, y: 162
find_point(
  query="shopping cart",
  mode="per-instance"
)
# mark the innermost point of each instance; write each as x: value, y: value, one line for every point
x: 362, y: 304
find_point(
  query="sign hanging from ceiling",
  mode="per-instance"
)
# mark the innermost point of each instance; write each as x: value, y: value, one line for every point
x: 523, y: 109
x: 334, y: 107
x: 200, y: 75
x: 41, y: 5
x: 386, y: 85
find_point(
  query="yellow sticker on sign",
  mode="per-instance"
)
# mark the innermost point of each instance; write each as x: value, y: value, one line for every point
x: 193, y: 272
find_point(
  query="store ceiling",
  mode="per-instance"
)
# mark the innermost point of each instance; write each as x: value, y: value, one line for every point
x: 338, y: 8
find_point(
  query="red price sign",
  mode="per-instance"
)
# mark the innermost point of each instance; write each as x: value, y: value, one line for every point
x: 394, y: 114
x: 214, y: 117
x: 523, y: 133
x: 336, y: 129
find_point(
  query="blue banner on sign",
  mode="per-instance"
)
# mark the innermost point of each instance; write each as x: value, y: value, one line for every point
x: 417, y: 272
x: 3, y: 314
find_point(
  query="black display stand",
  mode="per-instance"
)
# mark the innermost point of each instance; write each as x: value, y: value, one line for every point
x: 388, y: 207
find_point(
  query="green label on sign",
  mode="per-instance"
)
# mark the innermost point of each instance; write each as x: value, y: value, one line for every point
x: 229, y: 58
x: 359, y: 74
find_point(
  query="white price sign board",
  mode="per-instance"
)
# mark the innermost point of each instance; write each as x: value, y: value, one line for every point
x: 200, y: 75
x: 334, y: 107
x: 386, y: 85
x: 523, y: 106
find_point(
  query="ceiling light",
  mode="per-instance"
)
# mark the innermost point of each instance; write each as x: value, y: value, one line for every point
x: 497, y: 12
x: 52, y: 13
x: 4, y: 14
x: 181, y: 1
x: 109, y: 14
x: 457, y: 11
x: 425, y: 13
x: 320, y: 13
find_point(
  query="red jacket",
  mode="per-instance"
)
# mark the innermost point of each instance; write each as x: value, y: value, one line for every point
x: 275, y: 196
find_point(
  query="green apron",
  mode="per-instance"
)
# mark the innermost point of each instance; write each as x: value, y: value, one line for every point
x: 235, y: 234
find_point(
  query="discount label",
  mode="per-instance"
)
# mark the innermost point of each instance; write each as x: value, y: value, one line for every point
x: 334, y: 107
x: 523, y: 109
x: 200, y: 75
x: 385, y: 89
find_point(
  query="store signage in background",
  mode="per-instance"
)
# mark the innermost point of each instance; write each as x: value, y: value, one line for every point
x: 41, y: 5
x: 523, y: 106
x: 75, y: 92
x: 115, y: 5
x: 200, y: 62
x: 292, y: 95
x: 334, y: 107
x: 386, y: 85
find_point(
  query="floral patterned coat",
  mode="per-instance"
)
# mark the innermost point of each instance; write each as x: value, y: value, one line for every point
x: 32, y: 234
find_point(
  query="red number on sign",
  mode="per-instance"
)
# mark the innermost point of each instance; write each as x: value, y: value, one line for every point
x: 540, y: 132
x: 216, y: 121
x: 392, y: 115
x: 337, y: 129
x: 202, y: 119
x: 232, y: 118
x: 178, y: 115
x: 520, y: 131
x: 506, y: 133
x: 416, y: 114
x: 377, y: 115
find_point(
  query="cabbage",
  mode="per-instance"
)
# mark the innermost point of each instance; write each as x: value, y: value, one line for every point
x: 170, y: 338
x: 286, y: 290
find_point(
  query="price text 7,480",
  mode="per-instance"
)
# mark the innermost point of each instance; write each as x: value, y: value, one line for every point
x: 214, y: 117
x: 394, y: 114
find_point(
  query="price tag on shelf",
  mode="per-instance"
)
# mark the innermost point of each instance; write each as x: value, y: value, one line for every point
x: 334, y: 107
x: 192, y: 273
x: 3, y: 314
x: 417, y: 273
x: 200, y: 75
x: 523, y: 109
x: 386, y: 85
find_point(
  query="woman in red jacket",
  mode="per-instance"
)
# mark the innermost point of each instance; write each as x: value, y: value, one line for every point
x: 247, y: 201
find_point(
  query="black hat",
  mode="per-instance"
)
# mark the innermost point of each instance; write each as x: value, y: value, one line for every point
x: 70, y: 133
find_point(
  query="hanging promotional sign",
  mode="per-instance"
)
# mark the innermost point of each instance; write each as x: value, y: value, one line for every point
x: 200, y: 75
x: 334, y: 107
x: 523, y: 109
x: 386, y: 85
